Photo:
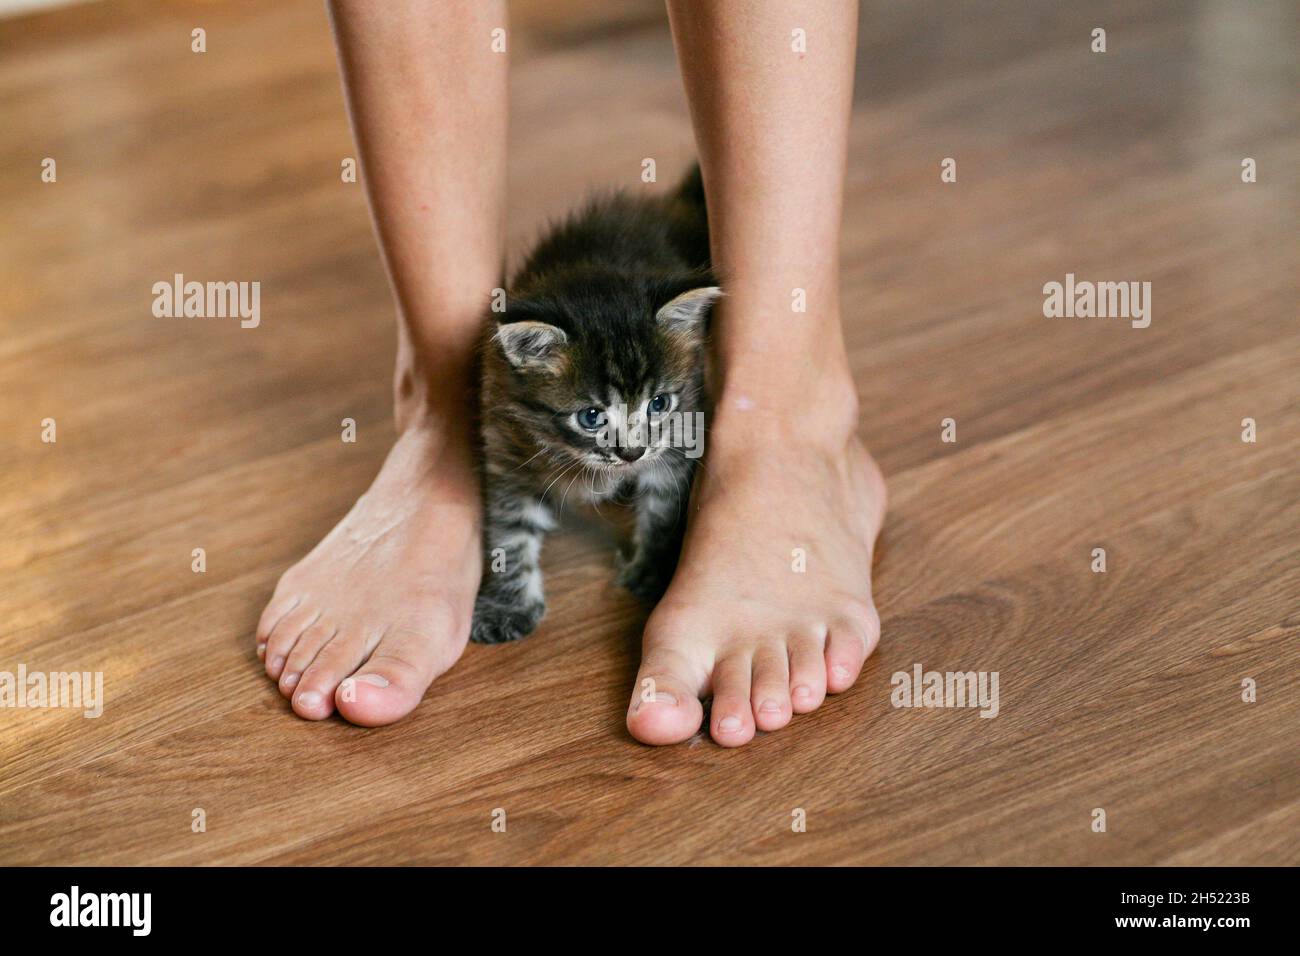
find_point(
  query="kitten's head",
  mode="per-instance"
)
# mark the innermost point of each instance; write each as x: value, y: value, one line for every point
x: 607, y: 369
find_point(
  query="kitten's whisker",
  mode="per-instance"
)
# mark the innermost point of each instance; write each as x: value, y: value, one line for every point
x: 564, y: 471
x: 678, y: 479
x: 580, y: 473
x: 595, y: 496
x: 530, y: 458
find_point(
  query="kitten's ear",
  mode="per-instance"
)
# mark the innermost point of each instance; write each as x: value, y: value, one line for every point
x: 530, y: 344
x: 686, y: 312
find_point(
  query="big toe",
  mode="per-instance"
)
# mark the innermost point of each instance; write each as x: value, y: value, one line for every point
x: 392, y: 682
x: 382, y: 692
x: 665, y: 707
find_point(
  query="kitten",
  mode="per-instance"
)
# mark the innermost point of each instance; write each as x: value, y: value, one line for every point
x: 593, y: 386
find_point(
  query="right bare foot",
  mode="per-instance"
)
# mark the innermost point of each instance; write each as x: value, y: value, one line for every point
x: 382, y: 605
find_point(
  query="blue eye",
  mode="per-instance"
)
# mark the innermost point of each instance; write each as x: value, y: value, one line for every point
x: 591, y: 418
x: 660, y: 404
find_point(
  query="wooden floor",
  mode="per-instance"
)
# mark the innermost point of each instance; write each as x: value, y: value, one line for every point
x: 1120, y: 691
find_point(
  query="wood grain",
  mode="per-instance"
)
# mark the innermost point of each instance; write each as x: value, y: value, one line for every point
x: 1119, y: 690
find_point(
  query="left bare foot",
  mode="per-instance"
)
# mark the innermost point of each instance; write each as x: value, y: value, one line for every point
x: 771, y: 604
x: 381, y: 606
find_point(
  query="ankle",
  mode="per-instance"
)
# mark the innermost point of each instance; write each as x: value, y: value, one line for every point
x: 433, y: 456
x: 739, y: 429
x: 438, y: 397
x: 811, y: 402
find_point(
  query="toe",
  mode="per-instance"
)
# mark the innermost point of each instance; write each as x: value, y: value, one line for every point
x: 385, y: 688
x: 275, y: 611
x: 732, y: 719
x: 850, y: 641
x: 771, y: 693
x: 665, y: 706
x: 285, y: 635
x: 391, y: 683
x: 807, y: 674
x: 302, y: 653
x: 320, y: 683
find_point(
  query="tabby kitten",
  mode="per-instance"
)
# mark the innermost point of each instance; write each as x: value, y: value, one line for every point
x: 593, y: 389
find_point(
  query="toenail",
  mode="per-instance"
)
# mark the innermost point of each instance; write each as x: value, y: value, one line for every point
x: 261, y: 650
x: 770, y: 705
x: 277, y: 663
x: 802, y: 691
x: 376, y: 679
x: 729, y: 724
x: 309, y: 699
x: 840, y: 671
x: 289, y: 680
x: 662, y: 698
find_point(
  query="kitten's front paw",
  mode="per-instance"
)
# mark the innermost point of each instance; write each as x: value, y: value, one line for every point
x: 646, y: 579
x: 498, y: 623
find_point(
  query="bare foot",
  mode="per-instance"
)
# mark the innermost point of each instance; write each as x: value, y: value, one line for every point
x: 771, y: 605
x: 382, y: 605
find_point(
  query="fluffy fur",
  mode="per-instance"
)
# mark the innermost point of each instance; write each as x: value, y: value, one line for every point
x: 605, y: 326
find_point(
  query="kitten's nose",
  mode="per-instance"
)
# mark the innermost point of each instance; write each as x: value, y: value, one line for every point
x: 630, y: 454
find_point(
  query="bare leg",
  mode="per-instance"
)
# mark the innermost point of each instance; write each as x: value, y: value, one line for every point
x: 382, y: 605
x: 771, y: 604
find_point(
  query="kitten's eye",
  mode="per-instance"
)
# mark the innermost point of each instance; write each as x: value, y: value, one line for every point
x: 591, y: 418
x: 660, y: 404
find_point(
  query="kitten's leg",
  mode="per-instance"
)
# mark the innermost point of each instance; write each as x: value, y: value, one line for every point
x: 657, y: 540
x: 511, y: 600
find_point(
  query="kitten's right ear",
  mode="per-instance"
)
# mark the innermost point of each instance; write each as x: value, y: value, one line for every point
x: 686, y: 311
x: 533, y: 345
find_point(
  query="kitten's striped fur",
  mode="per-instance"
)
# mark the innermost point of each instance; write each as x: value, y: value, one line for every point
x: 608, y: 312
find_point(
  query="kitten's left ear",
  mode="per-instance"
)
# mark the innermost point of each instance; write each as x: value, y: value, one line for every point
x: 686, y: 312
